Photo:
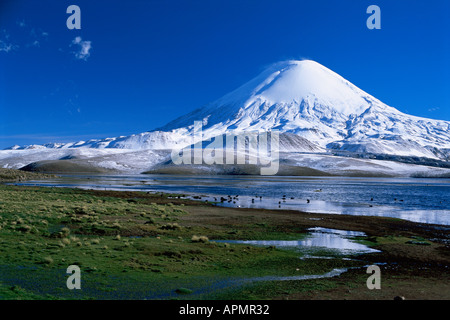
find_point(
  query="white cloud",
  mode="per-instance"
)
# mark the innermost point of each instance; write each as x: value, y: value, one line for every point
x: 5, y: 44
x: 27, y: 38
x: 5, y: 47
x: 77, y: 40
x: 21, y: 24
x: 84, y: 48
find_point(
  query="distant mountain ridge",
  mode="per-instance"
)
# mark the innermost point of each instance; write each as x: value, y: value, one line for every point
x: 314, y: 108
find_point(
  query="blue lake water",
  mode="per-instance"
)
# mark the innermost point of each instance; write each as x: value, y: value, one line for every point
x: 418, y: 200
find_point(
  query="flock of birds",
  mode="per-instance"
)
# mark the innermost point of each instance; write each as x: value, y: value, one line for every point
x: 233, y: 199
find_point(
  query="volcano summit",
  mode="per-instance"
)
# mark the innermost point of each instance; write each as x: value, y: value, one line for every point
x: 319, y: 115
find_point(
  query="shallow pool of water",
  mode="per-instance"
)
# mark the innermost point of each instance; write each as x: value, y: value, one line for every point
x: 319, y: 238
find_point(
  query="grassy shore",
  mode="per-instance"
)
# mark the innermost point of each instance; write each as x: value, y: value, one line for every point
x: 11, y: 175
x: 135, y: 245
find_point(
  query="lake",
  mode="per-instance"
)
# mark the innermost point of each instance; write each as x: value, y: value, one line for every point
x: 418, y: 200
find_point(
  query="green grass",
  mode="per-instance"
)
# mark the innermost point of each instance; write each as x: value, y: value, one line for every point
x: 18, y: 293
x: 10, y: 175
x: 126, y: 248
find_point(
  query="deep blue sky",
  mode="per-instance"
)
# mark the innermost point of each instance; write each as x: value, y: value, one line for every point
x: 146, y: 62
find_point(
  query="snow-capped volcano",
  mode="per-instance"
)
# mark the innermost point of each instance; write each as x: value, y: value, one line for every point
x: 311, y: 101
x: 314, y: 109
x: 288, y: 96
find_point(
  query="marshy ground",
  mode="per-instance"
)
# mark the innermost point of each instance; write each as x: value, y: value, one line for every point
x: 136, y: 245
x: 10, y: 175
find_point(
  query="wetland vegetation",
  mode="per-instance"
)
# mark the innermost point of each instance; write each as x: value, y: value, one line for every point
x: 142, y: 245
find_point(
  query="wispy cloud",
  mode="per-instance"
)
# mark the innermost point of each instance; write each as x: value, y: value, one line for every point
x: 21, y: 24
x: 43, y: 138
x: 37, y: 37
x: 27, y: 36
x: 433, y: 109
x: 5, y: 43
x: 35, y: 43
x: 6, y: 47
x: 83, y: 48
x: 24, y: 37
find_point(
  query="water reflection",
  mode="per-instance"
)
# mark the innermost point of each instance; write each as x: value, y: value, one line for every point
x: 339, y: 240
x: 418, y: 200
x: 331, y: 274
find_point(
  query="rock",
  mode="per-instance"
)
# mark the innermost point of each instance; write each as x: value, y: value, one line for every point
x: 183, y: 291
x: 420, y: 243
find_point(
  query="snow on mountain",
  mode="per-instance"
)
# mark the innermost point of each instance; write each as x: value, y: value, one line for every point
x: 91, y: 159
x: 309, y: 100
x: 289, y: 96
x: 314, y: 109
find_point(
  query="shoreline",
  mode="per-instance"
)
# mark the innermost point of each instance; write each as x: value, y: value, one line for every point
x: 417, y: 252
x: 427, y: 207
